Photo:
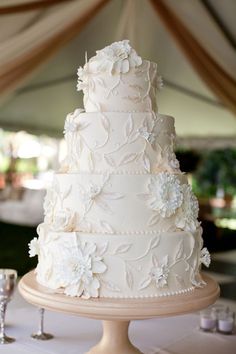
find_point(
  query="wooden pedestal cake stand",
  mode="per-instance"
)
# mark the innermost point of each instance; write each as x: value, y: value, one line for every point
x: 117, y: 313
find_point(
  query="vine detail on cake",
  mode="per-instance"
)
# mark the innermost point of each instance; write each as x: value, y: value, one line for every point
x: 93, y: 194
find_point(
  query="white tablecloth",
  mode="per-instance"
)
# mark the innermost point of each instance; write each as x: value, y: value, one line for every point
x: 76, y: 335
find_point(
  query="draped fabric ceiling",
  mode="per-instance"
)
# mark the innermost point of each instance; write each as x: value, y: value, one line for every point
x: 42, y: 42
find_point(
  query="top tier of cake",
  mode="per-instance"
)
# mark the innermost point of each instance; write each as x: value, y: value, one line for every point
x: 116, y: 79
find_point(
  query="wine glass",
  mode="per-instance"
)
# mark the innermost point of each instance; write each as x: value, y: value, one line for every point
x: 40, y: 334
x: 7, y: 286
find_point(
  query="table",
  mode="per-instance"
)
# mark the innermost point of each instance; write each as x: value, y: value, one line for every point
x: 75, y: 335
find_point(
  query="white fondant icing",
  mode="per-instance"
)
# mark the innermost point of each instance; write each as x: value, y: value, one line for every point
x: 129, y: 267
x: 116, y: 203
x: 121, y: 143
x: 120, y: 217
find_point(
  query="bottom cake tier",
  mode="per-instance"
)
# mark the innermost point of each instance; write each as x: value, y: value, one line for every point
x: 119, y: 265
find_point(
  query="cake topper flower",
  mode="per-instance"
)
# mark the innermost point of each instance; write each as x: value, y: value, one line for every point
x: 119, y: 57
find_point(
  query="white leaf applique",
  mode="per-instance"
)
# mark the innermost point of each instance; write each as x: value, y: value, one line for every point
x: 112, y: 196
x: 153, y: 219
x: 101, y: 203
x: 85, y: 225
x: 106, y: 227
x: 102, y: 249
x: 128, y: 158
x: 146, y: 162
x: 90, y: 161
x: 111, y: 286
x: 110, y: 161
x: 100, y: 81
x: 154, y: 242
x: 180, y: 250
x: 145, y: 283
x: 78, y: 147
x: 179, y: 280
x: 129, y: 126
x: 143, y: 196
x: 83, y: 125
x: 122, y: 248
x: 66, y: 193
x: 129, y: 277
x: 154, y: 260
x: 105, y: 122
x: 133, y: 137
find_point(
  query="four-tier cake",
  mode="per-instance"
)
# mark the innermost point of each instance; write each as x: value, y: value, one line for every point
x: 120, y: 216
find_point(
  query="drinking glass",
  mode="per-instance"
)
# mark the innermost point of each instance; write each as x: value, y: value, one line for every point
x: 7, y: 286
x: 40, y: 334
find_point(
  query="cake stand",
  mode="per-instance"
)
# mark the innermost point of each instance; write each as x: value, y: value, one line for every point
x: 117, y: 313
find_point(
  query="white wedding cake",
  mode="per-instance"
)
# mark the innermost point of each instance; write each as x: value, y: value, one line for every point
x: 120, y: 216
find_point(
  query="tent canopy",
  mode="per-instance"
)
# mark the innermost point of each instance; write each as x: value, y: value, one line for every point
x: 41, y: 104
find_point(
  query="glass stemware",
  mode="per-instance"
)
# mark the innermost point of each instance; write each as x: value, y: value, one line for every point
x: 40, y: 334
x: 7, y: 286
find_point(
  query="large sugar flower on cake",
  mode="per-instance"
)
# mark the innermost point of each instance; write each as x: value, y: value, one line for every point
x: 79, y: 274
x: 165, y: 194
x: 186, y: 217
x: 118, y: 57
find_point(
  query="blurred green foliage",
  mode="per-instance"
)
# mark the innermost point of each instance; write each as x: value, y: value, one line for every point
x: 216, y: 170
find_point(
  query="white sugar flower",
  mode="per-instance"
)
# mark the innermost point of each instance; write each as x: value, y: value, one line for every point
x: 187, y: 214
x: 119, y: 57
x: 85, y: 80
x: 63, y: 220
x: 205, y: 257
x: 160, y: 271
x: 80, y: 270
x: 173, y: 162
x: 148, y: 136
x: 71, y: 125
x: 165, y: 194
x: 159, y: 82
x: 34, y: 247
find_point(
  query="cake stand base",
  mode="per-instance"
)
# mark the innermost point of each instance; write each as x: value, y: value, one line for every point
x: 115, y: 339
x: 117, y: 313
